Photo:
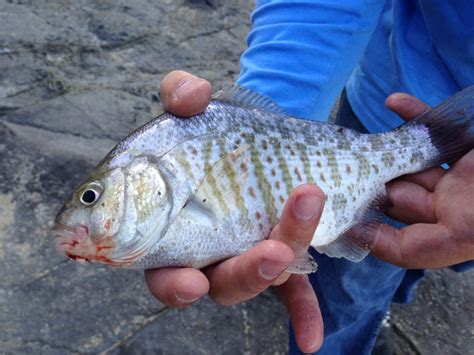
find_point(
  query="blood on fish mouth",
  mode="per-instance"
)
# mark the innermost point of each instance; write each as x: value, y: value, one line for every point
x: 74, y: 242
x: 69, y: 237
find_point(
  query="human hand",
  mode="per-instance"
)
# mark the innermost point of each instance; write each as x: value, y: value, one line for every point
x: 436, y: 204
x: 245, y: 276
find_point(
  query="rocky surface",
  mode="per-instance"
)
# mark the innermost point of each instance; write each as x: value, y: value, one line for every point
x: 76, y: 77
x: 441, y: 318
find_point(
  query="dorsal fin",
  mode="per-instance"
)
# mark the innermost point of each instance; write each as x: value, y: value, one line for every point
x: 240, y: 96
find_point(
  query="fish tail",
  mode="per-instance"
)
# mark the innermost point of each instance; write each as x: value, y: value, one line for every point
x: 451, y: 126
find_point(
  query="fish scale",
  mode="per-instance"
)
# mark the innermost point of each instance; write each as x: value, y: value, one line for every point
x: 192, y: 192
x: 258, y: 130
x: 272, y: 189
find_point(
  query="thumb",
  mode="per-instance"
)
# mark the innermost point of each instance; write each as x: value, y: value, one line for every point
x: 300, y: 218
x: 184, y: 94
x: 406, y: 106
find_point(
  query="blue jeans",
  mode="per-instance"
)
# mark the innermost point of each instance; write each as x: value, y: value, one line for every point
x: 354, y: 297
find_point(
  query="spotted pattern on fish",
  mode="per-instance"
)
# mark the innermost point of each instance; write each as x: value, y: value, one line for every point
x: 388, y: 159
x: 282, y: 165
x: 306, y: 162
x: 211, y: 178
x: 266, y: 174
x: 231, y: 175
x: 339, y: 202
x: 364, y: 166
x: 263, y: 184
x: 196, y: 191
x: 334, y: 166
x: 183, y: 160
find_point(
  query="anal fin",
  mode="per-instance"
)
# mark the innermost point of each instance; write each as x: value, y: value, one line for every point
x: 357, y: 242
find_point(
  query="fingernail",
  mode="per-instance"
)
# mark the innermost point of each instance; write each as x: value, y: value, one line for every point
x: 185, y: 298
x: 185, y: 85
x: 307, y: 206
x: 270, y: 269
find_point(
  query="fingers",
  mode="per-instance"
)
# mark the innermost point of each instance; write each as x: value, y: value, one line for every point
x: 245, y: 276
x: 420, y: 246
x: 296, y: 228
x: 184, y: 94
x: 300, y: 218
x: 427, y: 179
x: 177, y: 287
x: 411, y: 203
x: 406, y: 106
x: 464, y: 167
x: 299, y: 298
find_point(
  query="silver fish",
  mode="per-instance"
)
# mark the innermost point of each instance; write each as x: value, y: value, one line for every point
x: 192, y: 192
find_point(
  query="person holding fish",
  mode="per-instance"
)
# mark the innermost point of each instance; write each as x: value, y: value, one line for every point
x: 288, y: 62
x: 217, y: 204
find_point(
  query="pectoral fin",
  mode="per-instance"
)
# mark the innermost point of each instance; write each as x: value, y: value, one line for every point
x: 221, y: 191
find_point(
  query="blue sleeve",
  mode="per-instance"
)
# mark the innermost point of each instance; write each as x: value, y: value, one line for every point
x: 301, y: 53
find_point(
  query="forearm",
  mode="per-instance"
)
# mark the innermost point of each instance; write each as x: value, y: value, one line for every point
x: 301, y: 53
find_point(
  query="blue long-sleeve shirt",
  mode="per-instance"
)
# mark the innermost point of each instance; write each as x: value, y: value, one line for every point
x: 302, y: 53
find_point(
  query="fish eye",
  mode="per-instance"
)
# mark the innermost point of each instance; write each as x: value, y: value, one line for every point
x: 91, y: 194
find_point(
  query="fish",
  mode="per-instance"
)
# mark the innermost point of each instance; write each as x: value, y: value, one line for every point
x: 191, y: 192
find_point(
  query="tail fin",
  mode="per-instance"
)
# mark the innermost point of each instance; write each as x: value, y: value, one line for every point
x: 451, y: 125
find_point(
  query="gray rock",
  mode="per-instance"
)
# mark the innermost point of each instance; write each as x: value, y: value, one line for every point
x: 441, y: 318
x: 224, y: 330
x: 77, y: 76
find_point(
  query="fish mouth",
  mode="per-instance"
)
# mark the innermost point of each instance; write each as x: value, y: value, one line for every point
x: 75, y: 243
x: 71, y: 241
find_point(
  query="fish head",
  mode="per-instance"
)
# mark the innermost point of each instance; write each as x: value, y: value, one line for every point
x: 115, y: 216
